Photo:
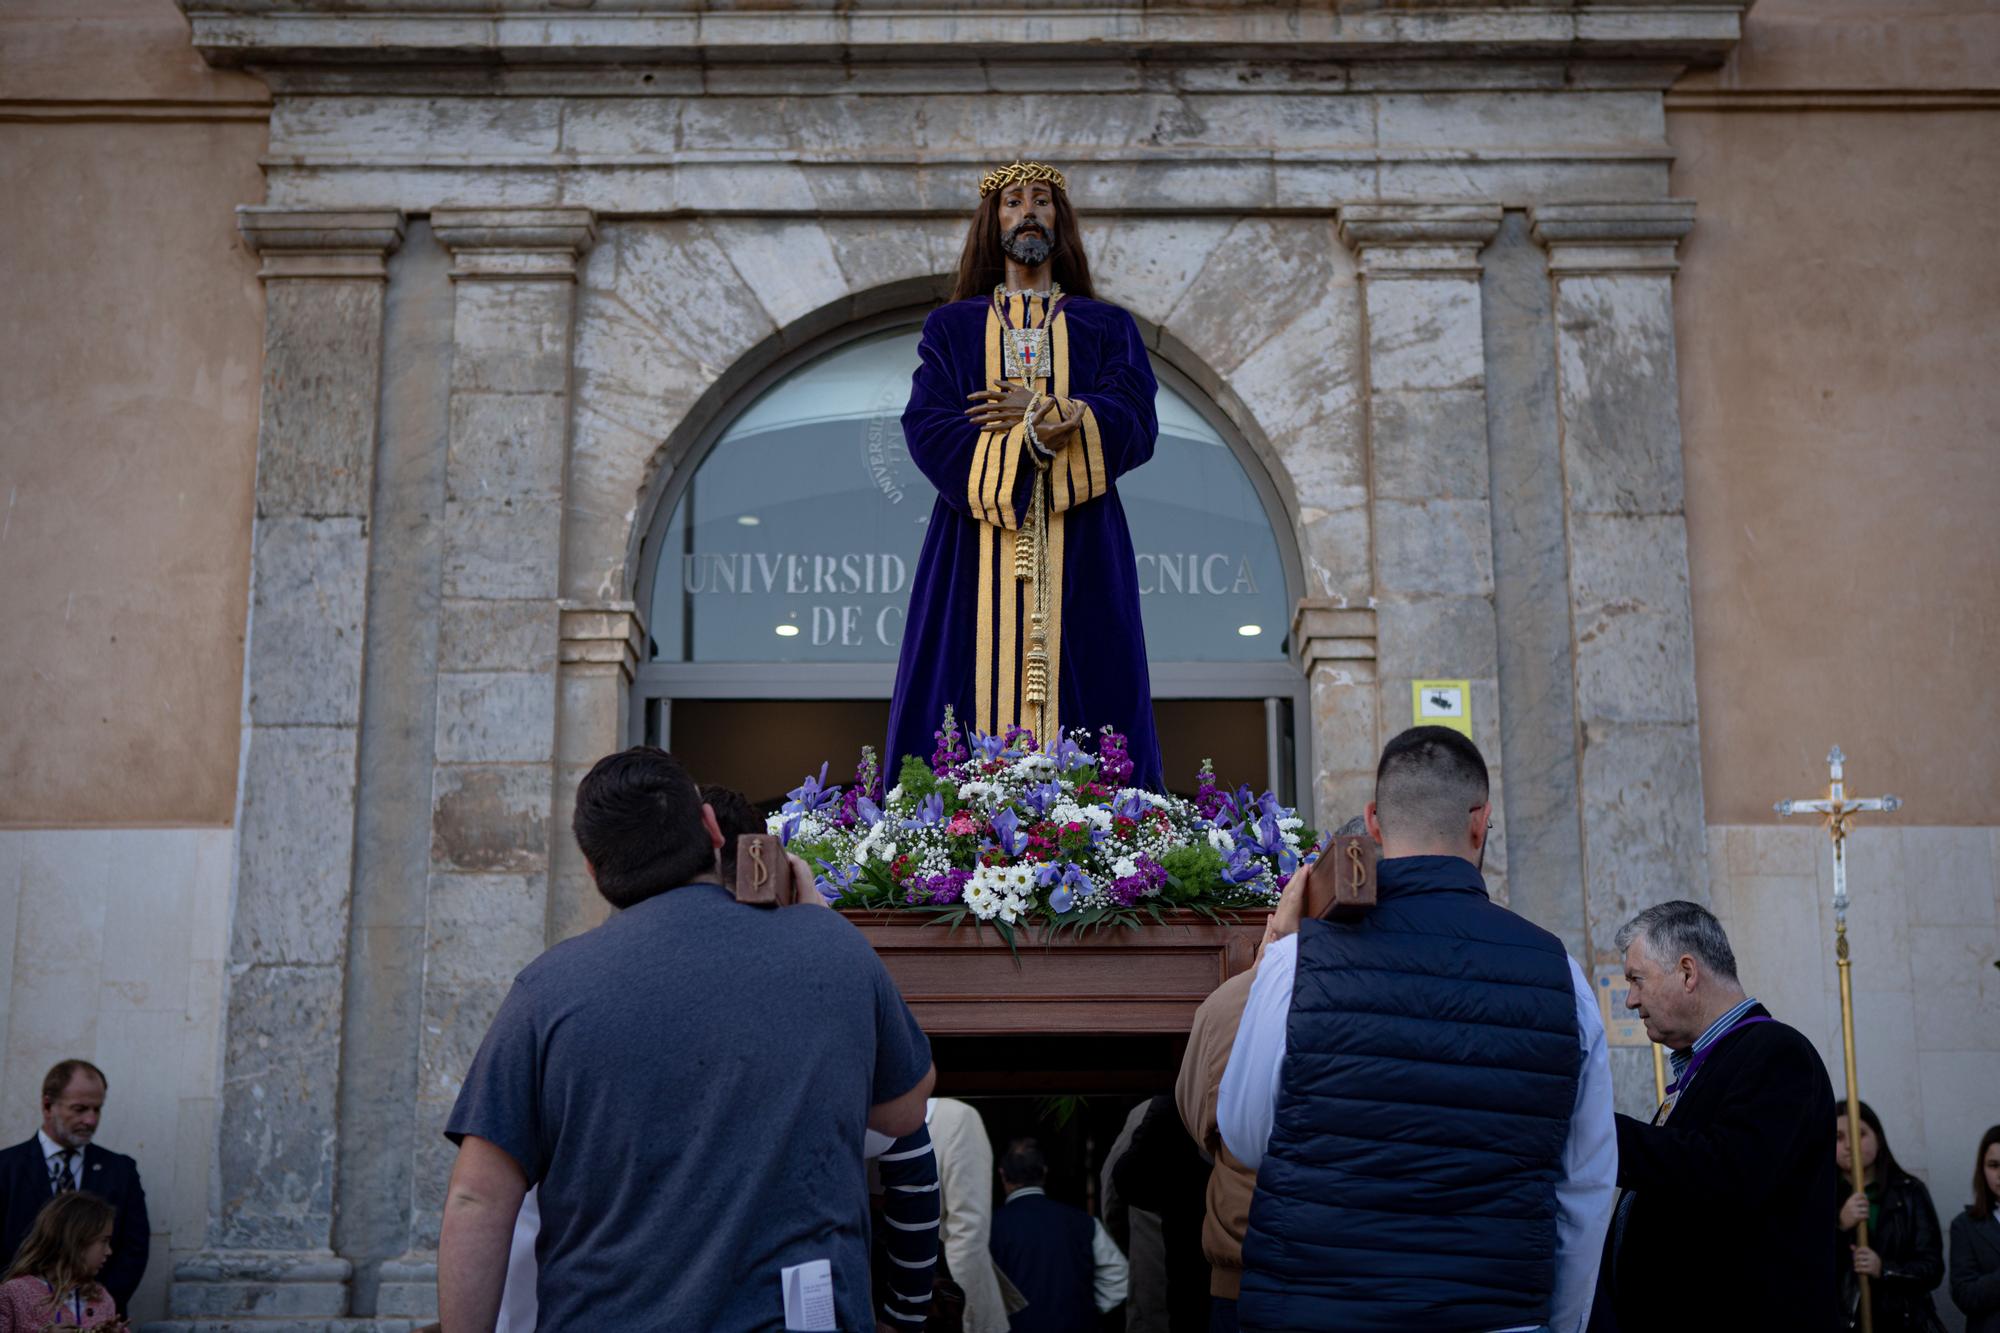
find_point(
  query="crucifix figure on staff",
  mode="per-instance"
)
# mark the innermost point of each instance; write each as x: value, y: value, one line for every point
x: 1836, y: 810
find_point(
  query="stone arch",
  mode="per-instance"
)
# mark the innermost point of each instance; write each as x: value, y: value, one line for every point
x: 675, y: 319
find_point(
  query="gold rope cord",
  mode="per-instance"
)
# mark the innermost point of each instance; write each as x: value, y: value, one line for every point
x: 982, y: 671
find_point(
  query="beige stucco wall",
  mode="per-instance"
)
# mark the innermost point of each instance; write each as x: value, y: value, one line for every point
x: 129, y: 356
x: 128, y: 365
x: 1837, y: 340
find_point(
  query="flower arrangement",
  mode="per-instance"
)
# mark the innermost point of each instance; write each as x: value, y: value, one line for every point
x: 1006, y: 832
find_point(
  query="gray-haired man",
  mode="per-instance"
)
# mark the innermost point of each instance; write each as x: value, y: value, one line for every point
x: 1730, y: 1186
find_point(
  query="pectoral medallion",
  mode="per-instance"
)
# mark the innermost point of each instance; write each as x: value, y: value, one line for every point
x: 1025, y: 354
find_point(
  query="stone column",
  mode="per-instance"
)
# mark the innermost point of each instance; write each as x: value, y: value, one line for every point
x: 602, y: 645
x: 1429, y: 477
x: 514, y: 276
x: 1334, y: 646
x: 270, y: 1225
x: 1639, y: 755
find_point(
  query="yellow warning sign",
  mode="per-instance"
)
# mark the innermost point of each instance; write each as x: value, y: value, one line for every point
x: 1443, y: 703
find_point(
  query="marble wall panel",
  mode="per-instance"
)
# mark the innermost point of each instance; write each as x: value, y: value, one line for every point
x: 297, y: 854
x: 499, y: 446
x: 306, y: 606
x: 487, y: 717
x: 317, y: 436
x: 1621, y: 410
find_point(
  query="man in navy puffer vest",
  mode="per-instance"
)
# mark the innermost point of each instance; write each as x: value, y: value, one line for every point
x: 1424, y: 1092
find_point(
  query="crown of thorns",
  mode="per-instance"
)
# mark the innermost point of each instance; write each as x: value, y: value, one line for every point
x: 1020, y: 173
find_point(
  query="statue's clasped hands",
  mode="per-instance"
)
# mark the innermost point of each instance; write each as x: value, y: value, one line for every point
x: 1000, y: 405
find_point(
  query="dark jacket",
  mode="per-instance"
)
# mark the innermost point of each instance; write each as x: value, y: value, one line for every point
x: 1730, y: 1198
x: 1162, y: 1172
x: 1975, y: 1271
x: 1430, y: 1073
x: 1911, y: 1246
x: 1046, y: 1250
x: 113, y: 1177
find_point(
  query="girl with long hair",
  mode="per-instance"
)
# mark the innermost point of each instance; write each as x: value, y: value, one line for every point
x: 1904, y: 1257
x: 1975, y: 1242
x: 52, y: 1282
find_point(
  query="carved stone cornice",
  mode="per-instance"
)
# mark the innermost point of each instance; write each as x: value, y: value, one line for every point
x: 514, y: 244
x: 1326, y: 629
x: 1637, y: 237
x: 1415, y: 240
x: 602, y: 635
x: 321, y: 243
x: 514, y: 32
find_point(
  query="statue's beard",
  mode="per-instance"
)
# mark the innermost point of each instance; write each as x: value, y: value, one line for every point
x: 1027, y: 244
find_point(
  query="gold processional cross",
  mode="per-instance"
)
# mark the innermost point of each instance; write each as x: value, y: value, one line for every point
x: 1835, y: 810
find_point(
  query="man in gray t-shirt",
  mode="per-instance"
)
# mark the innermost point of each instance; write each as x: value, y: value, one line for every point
x: 688, y: 1084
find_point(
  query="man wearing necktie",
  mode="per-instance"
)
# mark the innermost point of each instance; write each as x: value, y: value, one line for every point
x: 63, y: 1156
x: 1730, y: 1184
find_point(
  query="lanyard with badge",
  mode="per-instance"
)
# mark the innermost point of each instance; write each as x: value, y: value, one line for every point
x: 1679, y: 1085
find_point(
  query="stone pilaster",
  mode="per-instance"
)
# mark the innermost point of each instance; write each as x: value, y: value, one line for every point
x: 270, y: 1230
x: 602, y: 645
x: 514, y: 276
x: 1429, y: 478
x: 1639, y: 757
x: 1333, y: 645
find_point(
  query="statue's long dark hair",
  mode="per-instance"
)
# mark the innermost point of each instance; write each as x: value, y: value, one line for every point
x: 982, y: 266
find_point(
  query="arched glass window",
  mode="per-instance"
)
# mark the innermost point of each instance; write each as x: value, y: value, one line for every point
x: 779, y: 566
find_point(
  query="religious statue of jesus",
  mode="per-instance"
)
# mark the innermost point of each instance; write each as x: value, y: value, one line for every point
x: 1031, y: 399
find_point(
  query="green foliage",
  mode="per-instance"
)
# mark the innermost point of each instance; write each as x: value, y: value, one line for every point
x: 1192, y: 871
x: 916, y: 778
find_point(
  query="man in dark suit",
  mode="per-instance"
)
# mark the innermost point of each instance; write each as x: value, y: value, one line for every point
x: 1727, y: 1192
x: 1058, y: 1256
x: 62, y: 1157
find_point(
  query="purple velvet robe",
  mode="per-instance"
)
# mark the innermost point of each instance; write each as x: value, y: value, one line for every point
x: 1102, y: 657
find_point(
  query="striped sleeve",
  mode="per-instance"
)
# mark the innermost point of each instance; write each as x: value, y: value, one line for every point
x: 910, y: 1217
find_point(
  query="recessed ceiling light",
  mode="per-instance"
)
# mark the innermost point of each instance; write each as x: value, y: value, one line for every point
x: 1249, y: 631
x: 787, y: 631
x: 748, y: 520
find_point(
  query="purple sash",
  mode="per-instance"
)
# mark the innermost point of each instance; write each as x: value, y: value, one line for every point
x: 1687, y: 1075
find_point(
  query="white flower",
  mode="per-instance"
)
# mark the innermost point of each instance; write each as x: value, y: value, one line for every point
x: 1124, y: 867
x: 895, y: 796
x: 1291, y: 822
x: 1035, y: 765
x: 1219, y: 839
x: 1098, y: 816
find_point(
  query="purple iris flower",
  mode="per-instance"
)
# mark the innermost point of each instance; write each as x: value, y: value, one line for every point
x: 929, y: 811
x: 1242, y: 867
x: 1265, y: 836
x: 1068, y: 755
x: 988, y: 747
x: 1130, y: 805
x: 790, y: 829
x: 812, y: 795
x: 836, y: 881
x: 1007, y: 833
x: 867, y: 811
x: 1039, y: 798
